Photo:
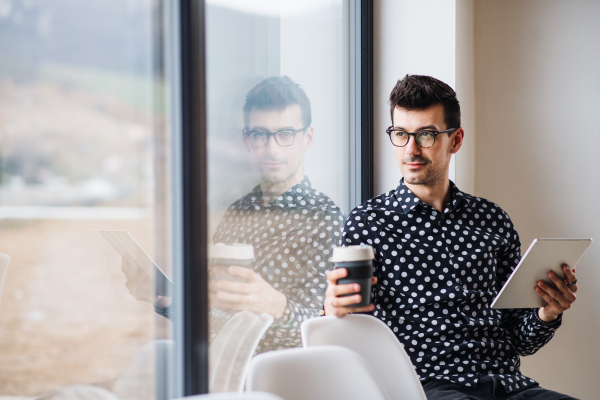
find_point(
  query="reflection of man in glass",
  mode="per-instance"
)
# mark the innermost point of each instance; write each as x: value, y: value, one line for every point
x: 291, y: 226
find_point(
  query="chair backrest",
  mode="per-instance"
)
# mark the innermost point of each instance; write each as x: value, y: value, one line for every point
x: 4, y: 261
x: 317, y: 373
x: 233, y: 396
x: 141, y: 378
x: 233, y: 347
x: 376, y: 343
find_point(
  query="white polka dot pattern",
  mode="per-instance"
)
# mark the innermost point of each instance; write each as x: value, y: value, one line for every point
x: 292, y: 237
x: 437, y: 276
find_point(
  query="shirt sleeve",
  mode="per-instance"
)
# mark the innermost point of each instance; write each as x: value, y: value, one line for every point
x: 306, y: 301
x: 356, y: 229
x: 528, y: 332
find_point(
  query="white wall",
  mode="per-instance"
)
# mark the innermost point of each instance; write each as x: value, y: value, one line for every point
x: 465, y: 91
x: 313, y: 54
x: 527, y: 75
x: 397, y: 24
x: 537, y: 66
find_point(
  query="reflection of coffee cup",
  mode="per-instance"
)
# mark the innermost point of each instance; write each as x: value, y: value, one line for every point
x: 358, y: 261
x: 223, y: 255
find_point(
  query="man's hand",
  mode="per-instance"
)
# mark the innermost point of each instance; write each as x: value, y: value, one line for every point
x: 254, y: 295
x: 558, y: 299
x: 141, y: 286
x: 334, y: 304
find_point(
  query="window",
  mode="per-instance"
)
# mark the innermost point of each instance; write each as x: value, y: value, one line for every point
x: 85, y: 147
x: 281, y: 148
x: 140, y: 138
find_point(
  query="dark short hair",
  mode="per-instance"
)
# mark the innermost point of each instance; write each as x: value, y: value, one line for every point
x: 277, y: 93
x: 419, y: 92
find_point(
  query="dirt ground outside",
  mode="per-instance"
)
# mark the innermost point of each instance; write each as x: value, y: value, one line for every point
x: 66, y: 316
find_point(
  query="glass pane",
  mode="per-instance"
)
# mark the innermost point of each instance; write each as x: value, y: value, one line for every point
x: 273, y: 66
x: 84, y: 197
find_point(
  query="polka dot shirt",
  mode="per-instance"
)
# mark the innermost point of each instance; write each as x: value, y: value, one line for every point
x: 292, y: 237
x: 437, y: 276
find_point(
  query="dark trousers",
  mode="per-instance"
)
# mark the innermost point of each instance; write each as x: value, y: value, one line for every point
x: 487, y: 389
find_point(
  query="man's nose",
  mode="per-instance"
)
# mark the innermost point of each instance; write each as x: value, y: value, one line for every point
x: 271, y: 146
x: 412, y: 147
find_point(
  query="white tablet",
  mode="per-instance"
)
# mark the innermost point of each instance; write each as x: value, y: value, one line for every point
x: 128, y: 247
x: 542, y: 256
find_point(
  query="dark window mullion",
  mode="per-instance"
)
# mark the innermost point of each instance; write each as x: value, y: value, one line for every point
x: 194, y: 185
x: 366, y: 100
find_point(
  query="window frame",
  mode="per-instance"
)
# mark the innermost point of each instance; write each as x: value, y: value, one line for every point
x: 188, y: 77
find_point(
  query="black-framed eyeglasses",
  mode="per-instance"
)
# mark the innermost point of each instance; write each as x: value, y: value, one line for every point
x: 426, y: 138
x: 284, y: 137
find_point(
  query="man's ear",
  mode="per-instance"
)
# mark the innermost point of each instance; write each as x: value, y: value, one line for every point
x: 457, y: 140
x: 308, y: 138
x: 246, y: 140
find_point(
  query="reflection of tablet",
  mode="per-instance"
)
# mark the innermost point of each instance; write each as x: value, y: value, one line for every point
x: 128, y: 248
x: 542, y: 256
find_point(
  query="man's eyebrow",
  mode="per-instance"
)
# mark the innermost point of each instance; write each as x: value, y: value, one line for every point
x: 423, y: 128
x: 261, y: 128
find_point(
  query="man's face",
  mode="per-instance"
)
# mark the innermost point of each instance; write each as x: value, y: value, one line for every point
x: 275, y: 163
x: 425, y: 166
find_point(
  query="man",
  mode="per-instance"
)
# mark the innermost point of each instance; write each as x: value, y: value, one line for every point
x: 441, y: 257
x: 291, y: 225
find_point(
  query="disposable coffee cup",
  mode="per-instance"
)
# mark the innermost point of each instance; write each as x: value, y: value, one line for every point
x: 224, y: 255
x: 358, y: 261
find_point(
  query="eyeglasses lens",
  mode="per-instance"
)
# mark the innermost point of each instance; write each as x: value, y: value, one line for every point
x: 399, y: 138
x: 285, y: 138
x: 261, y: 138
x: 425, y: 139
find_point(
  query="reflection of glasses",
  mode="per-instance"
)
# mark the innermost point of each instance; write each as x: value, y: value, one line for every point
x: 400, y: 137
x: 285, y: 137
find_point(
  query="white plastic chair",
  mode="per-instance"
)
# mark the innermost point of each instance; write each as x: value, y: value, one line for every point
x: 233, y: 396
x: 139, y: 380
x: 376, y: 343
x: 317, y: 373
x: 4, y: 261
x: 233, y: 347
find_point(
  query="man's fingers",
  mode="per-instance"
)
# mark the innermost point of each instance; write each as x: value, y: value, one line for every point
x: 335, y: 274
x: 243, y: 272
x: 231, y: 286
x: 544, y: 295
x: 562, y: 287
x: 346, y: 301
x: 570, y: 274
x: 338, y: 290
x: 341, y: 312
x: 125, y: 265
x: 555, y: 295
x: 368, y: 308
x: 232, y: 297
x: 228, y: 306
x: 564, y: 294
x: 373, y: 280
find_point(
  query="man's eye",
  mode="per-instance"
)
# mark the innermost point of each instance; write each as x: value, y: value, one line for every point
x: 285, y: 133
x: 259, y: 133
x: 401, y: 133
x: 426, y: 134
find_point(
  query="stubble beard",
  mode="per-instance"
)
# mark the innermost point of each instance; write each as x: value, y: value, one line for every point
x: 430, y: 177
x: 279, y: 177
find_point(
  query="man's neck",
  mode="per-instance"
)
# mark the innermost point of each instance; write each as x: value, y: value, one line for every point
x: 270, y: 190
x: 437, y: 196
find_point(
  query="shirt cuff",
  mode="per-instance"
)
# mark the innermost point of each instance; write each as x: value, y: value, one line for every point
x: 555, y: 324
x: 165, y: 312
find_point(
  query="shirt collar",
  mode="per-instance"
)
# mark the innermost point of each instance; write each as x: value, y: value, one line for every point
x: 407, y: 200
